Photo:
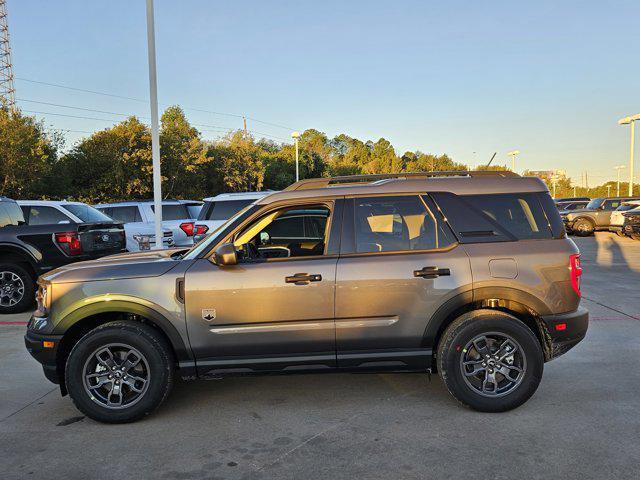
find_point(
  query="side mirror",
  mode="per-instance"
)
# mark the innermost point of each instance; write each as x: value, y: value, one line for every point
x: 225, y: 254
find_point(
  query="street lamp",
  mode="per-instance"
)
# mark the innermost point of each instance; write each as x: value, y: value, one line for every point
x: 155, y: 138
x: 513, y: 154
x: 626, y: 121
x: 296, y: 136
x: 617, y: 169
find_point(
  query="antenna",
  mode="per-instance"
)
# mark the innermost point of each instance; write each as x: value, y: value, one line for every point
x: 7, y: 91
x: 492, y: 157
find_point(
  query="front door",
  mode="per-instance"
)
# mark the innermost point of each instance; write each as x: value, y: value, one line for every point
x: 275, y: 308
x: 397, y: 265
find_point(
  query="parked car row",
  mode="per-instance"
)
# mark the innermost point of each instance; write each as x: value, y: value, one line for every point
x: 37, y: 236
x: 615, y: 214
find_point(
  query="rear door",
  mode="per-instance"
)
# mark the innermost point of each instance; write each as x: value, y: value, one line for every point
x: 399, y: 262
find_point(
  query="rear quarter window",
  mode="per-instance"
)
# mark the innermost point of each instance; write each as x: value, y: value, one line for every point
x: 501, y: 217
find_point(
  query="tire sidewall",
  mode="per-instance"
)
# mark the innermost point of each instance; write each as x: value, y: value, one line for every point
x: 452, y: 352
x: 28, y: 298
x: 160, y: 374
x: 583, y: 233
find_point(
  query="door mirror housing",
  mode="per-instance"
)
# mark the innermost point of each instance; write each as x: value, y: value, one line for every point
x: 225, y: 255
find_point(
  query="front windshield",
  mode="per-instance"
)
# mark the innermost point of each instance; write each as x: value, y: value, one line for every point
x: 595, y: 203
x: 203, y: 244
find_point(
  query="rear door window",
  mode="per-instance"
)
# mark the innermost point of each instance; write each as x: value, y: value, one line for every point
x: 222, y: 210
x: 397, y: 224
x: 173, y: 212
x: 125, y: 214
x: 41, y: 215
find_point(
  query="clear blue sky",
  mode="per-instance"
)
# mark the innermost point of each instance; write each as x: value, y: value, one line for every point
x: 465, y: 78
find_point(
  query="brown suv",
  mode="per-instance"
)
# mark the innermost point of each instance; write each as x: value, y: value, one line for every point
x: 469, y: 274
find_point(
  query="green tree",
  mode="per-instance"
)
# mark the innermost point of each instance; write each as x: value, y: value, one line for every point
x: 27, y: 156
x: 181, y: 154
x: 112, y: 164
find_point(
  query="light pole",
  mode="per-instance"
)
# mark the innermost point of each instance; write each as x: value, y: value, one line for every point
x: 155, y: 138
x: 513, y: 154
x: 617, y: 169
x: 625, y: 121
x: 295, y: 136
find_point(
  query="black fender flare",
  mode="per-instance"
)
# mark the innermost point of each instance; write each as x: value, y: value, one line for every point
x: 475, y: 299
x: 30, y: 255
x: 182, y: 352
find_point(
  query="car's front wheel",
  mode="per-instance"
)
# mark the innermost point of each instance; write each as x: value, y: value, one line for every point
x: 490, y: 361
x: 119, y: 372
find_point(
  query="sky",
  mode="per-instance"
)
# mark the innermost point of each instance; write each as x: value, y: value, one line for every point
x: 467, y: 79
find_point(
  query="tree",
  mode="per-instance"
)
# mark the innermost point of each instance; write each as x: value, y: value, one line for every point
x: 27, y: 156
x: 112, y: 164
x: 181, y: 153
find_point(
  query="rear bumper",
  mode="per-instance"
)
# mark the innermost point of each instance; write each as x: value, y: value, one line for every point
x: 46, y: 356
x: 566, y: 330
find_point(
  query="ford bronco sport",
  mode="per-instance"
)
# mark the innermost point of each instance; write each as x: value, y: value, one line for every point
x: 468, y: 274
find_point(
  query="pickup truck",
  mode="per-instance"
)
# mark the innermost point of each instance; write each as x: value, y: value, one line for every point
x: 27, y: 251
x: 595, y: 216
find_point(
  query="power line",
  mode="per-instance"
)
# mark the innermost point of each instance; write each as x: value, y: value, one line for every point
x: 224, y: 129
x: 95, y: 92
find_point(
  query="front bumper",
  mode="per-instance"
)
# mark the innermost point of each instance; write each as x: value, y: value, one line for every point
x: 43, y: 353
x: 566, y: 330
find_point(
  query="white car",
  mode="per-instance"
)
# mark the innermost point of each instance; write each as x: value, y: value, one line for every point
x: 40, y: 212
x: 617, y: 217
x: 136, y: 214
x: 217, y: 210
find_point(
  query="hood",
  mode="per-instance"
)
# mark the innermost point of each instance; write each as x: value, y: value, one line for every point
x: 123, y: 265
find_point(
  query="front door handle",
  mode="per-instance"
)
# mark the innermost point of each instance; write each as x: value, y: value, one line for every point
x: 431, y: 272
x: 303, y: 278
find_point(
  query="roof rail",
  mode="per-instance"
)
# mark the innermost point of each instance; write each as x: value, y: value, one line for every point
x: 310, y: 183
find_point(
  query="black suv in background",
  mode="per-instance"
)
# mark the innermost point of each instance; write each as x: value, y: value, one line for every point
x: 27, y: 251
x: 595, y: 216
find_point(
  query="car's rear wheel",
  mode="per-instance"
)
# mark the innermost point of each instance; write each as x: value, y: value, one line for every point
x: 490, y: 361
x: 119, y: 372
x: 583, y: 227
x: 17, y: 289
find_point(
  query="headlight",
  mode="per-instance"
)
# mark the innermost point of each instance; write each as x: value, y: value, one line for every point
x: 43, y: 299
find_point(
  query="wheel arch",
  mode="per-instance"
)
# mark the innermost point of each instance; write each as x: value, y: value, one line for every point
x: 15, y: 254
x: 84, y: 319
x: 517, y: 303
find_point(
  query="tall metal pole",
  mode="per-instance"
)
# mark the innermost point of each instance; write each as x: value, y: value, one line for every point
x: 297, y: 162
x: 618, y: 189
x: 155, y: 136
x: 633, y: 123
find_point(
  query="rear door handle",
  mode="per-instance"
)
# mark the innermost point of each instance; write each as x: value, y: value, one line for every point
x: 303, y: 278
x: 431, y: 272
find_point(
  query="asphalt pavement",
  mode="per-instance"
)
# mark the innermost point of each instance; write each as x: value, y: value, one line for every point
x: 583, y: 422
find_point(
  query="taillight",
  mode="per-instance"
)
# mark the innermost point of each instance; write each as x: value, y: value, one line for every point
x: 576, y: 272
x: 187, y: 227
x: 69, y: 242
x: 201, y: 229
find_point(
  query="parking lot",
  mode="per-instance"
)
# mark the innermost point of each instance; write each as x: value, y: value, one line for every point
x: 583, y: 422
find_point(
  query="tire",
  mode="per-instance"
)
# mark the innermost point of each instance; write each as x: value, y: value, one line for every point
x: 156, y: 365
x: 583, y: 227
x: 17, y: 288
x: 454, y: 348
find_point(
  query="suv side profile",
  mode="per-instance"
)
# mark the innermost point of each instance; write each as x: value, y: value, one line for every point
x: 467, y: 274
x: 594, y: 217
